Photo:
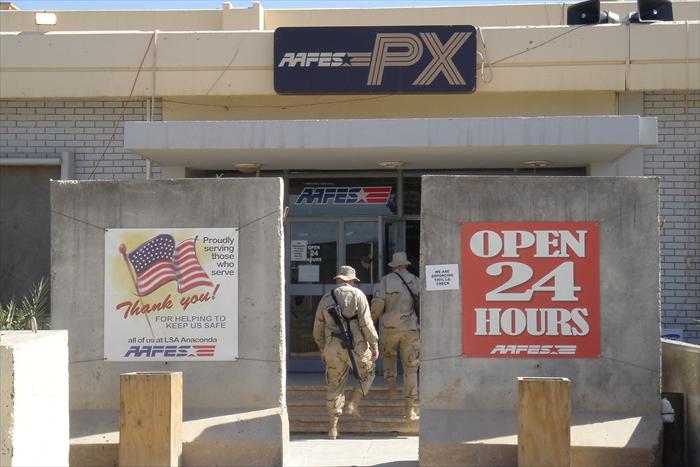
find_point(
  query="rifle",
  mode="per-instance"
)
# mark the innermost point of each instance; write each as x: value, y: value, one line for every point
x: 416, y: 303
x: 347, y: 342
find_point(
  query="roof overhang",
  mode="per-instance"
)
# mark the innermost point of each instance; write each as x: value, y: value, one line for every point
x: 421, y: 143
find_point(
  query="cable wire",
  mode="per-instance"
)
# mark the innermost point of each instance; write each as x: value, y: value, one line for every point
x: 124, y: 104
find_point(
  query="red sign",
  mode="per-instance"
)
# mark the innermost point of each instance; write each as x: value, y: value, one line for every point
x: 530, y: 289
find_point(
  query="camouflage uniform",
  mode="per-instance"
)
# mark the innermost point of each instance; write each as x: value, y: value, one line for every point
x: 392, y: 304
x: 352, y: 303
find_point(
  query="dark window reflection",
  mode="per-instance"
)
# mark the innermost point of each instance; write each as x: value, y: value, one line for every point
x: 301, y: 341
x: 362, y: 250
x: 411, y: 195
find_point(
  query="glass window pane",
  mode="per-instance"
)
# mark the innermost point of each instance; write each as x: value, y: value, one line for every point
x: 413, y: 245
x: 392, y: 241
x: 362, y: 250
x: 411, y: 195
x: 303, y: 311
x: 342, y: 197
x: 314, y: 252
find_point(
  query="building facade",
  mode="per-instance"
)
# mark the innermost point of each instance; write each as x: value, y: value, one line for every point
x: 170, y: 94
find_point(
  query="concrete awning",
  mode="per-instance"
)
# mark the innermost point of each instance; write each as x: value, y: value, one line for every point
x: 422, y: 143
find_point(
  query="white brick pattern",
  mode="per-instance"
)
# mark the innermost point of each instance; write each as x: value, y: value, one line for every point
x: 45, y: 128
x: 676, y: 160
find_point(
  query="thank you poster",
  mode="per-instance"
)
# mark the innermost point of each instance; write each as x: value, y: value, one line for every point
x: 171, y: 294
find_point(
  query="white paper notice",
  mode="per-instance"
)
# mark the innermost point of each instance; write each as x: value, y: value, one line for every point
x: 442, y: 277
x: 309, y: 273
x: 299, y: 250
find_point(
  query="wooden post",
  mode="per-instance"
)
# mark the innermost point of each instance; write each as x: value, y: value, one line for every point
x: 544, y: 422
x: 150, y: 428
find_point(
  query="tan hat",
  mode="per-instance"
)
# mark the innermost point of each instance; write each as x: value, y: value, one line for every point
x: 347, y: 273
x: 399, y: 259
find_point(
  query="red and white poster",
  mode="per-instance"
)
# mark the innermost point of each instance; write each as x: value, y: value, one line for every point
x: 530, y: 289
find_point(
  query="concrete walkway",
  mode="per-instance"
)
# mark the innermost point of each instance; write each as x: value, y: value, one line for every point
x: 385, y: 451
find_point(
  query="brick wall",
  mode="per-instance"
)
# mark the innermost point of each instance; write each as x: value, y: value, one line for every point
x: 45, y: 128
x: 676, y: 160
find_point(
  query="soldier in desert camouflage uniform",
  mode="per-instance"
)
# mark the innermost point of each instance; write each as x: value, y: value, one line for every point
x: 355, y: 309
x: 393, y: 306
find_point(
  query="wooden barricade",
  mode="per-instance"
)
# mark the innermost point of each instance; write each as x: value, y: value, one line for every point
x: 150, y: 422
x: 544, y: 422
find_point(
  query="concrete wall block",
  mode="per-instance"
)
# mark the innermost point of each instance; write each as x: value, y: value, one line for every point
x: 34, y: 398
x: 78, y: 274
x: 618, y: 382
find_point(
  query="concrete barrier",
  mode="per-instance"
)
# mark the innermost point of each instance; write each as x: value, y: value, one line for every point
x: 468, y: 404
x: 680, y: 363
x: 34, y: 398
x: 237, y: 406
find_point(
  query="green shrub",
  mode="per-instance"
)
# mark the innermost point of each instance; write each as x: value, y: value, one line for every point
x: 17, y: 315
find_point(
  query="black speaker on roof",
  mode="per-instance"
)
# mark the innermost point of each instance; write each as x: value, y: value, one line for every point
x: 588, y: 12
x: 652, y: 10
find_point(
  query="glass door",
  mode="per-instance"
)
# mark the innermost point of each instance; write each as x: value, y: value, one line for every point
x: 362, y: 252
x: 313, y: 254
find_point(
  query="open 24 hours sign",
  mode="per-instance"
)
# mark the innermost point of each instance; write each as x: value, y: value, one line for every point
x: 530, y: 289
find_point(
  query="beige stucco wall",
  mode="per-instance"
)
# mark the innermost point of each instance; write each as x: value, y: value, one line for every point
x: 209, y: 61
x: 254, y: 17
x: 389, y: 106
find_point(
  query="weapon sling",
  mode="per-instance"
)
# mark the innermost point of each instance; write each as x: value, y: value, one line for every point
x: 416, y: 303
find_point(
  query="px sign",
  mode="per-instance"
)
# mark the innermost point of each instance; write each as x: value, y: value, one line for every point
x: 390, y: 59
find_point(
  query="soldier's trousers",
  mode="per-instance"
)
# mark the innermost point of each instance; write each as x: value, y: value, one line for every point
x: 338, y: 367
x: 408, y: 343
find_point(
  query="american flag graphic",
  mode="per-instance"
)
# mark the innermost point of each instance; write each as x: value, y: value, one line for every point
x: 158, y: 261
x: 374, y: 195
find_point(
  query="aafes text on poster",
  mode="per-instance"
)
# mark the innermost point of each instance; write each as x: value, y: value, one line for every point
x: 171, y: 294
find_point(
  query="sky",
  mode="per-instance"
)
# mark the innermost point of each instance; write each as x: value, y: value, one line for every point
x: 216, y: 4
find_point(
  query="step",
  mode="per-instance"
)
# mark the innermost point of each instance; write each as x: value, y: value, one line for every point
x: 319, y: 393
x: 347, y: 424
x: 367, y: 407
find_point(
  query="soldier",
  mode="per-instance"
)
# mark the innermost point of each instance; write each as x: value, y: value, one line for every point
x: 394, y: 305
x: 355, y: 310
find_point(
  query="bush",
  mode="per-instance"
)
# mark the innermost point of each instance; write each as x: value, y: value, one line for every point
x: 18, y: 315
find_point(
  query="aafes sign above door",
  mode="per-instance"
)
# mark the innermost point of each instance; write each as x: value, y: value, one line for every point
x: 389, y: 59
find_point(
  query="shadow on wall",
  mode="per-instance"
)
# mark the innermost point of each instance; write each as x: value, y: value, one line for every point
x: 250, y: 437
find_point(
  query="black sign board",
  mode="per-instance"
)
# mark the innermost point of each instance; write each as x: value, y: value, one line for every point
x: 372, y: 59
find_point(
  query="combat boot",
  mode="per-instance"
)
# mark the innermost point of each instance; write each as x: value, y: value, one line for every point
x: 333, y: 429
x: 353, y: 407
x: 393, y: 392
x: 411, y: 414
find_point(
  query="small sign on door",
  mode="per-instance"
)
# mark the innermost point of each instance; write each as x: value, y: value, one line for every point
x: 442, y: 277
x: 299, y: 250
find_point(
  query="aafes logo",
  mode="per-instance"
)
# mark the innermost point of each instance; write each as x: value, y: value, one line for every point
x: 171, y: 351
x: 374, y: 59
x: 344, y: 195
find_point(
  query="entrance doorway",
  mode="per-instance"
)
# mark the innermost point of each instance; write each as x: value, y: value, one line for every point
x: 333, y: 221
x: 317, y: 249
x: 355, y: 218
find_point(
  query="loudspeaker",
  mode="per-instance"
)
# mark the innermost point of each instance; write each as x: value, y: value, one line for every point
x: 652, y: 10
x: 588, y: 12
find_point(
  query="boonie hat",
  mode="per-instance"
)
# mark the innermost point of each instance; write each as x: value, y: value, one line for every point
x: 399, y: 259
x: 347, y: 273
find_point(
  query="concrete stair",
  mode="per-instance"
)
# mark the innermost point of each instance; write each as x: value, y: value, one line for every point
x: 306, y: 406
